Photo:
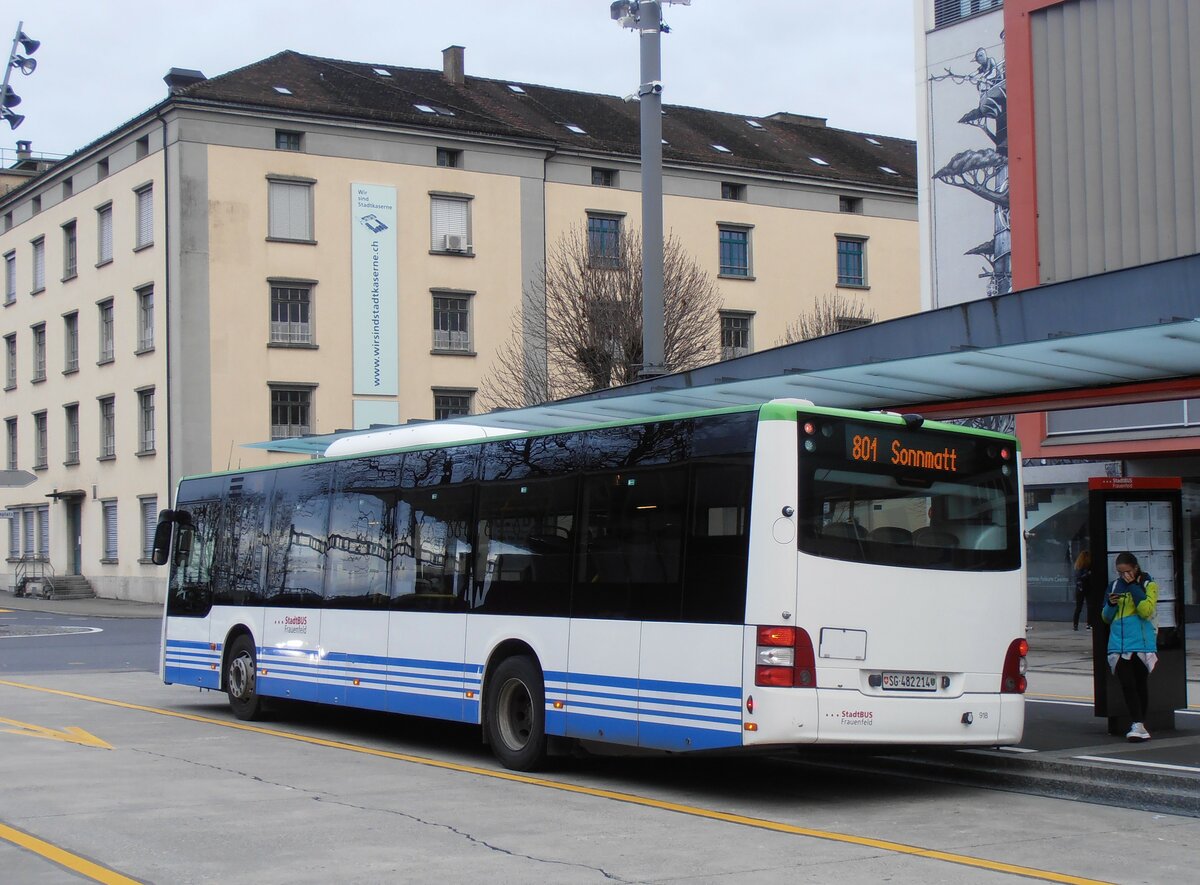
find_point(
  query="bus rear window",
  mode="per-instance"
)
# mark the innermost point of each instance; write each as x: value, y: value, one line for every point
x: 896, y: 496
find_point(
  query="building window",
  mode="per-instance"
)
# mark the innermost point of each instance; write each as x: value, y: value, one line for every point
x: 291, y: 314
x: 450, y: 224
x: 36, y: 204
x: 43, y: 523
x: 451, y: 403
x: 947, y: 12
x: 104, y: 231
x: 70, y: 342
x: 144, y: 235
x: 102, y: 168
x: 145, y: 421
x: 288, y: 141
x: 604, y: 177
x: 452, y: 323
x: 108, y: 512
x: 734, y: 249
x: 450, y: 159
x: 853, y: 205
x: 108, y: 427
x: 39, y: 352
x: 106, y: 331
x: 145, y: 329
x: 39, y: 265
x: 735, y: 334
x: 142, y: 147
x: 290, y: 210
x: 71, y: 437
x: 70, y: 256
x: 731, y: 191
x: 10, y: 277
x: 39, y: 440
x: 68, y: 188
x: 10, y: 430
x: 846, y: 323
x: 149, y: 508
x: 851, y: 261
x: 604, y: 240
x: 291, y: 411
x: 10, y: 361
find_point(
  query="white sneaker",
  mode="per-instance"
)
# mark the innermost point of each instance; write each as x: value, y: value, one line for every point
x: 1137, y: 732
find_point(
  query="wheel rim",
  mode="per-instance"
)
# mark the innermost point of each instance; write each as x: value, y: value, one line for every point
x: 515, y: 708
x: 241, y: 677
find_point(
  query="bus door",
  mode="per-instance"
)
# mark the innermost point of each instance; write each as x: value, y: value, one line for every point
x: 601, y: 690
x: 354, y: 622
x: 290, y: 662
x: 189, y: 656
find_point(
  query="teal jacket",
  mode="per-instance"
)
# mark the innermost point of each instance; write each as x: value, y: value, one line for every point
x: 1132, y: 618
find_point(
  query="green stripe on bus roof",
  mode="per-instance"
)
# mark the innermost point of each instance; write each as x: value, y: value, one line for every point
x: 770, y: 411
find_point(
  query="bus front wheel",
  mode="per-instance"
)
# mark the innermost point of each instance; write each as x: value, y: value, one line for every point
x: 240, y: 671
x: 516, y: 714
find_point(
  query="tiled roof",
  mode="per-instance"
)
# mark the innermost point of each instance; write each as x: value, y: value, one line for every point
x: 780, y: 143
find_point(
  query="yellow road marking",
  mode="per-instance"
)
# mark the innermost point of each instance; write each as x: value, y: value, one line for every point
x: 64, y: 858
x: 5, y: 611
x: 628, y: 798
x: 1060, y: 697
x: 72, y: 734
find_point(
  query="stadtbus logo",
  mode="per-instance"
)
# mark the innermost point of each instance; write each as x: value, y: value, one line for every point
x: 293, y: 623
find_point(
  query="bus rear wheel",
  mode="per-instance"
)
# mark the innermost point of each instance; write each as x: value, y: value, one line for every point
x: 240, y: 683
x: 516, y: 714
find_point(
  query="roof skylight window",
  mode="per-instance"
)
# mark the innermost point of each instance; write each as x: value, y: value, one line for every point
x: 424, y: 109
x: 513, y: 87
x: 720, y: 148
x: 819, y: 161
x: 874, y: 140
x: 754, y: 124
x: 442, y: 112
x: 283, y: 90
x: 889, y: 170
x: 383, y: 72
x: 571, y: 127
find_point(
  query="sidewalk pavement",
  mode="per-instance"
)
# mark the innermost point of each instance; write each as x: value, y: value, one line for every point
x: 96, y: 607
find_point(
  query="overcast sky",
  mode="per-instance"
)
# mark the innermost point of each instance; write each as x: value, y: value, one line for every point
x: 102, y: 61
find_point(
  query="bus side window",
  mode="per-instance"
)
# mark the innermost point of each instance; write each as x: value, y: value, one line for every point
x: 240, y: 547
x: 298, y: 537
x: 190, y: 590
x: 718, y: 543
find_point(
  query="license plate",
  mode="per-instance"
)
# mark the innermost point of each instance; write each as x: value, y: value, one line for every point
x: 909, y: 682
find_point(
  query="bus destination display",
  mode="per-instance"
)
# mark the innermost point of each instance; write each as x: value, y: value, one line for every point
x: 884, y: 445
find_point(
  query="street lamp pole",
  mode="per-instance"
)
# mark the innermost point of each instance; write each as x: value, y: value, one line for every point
x: 645, y: 16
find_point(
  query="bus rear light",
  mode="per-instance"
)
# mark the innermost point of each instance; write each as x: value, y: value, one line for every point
x: 810, y: 428
x: 751, y: 726
x: 749, y: 703
x: 1012, y: 677
x: 784, y: 658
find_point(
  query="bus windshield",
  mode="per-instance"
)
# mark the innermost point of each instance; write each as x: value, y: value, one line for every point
x: 892, y: 495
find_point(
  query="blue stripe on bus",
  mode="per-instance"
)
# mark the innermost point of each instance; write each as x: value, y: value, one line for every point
x: 696, y: 688
x: 602, y: 728
x: 574, y: 693
x: 652, y: 735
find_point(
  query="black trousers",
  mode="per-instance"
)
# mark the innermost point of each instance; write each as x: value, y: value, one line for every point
x: 1132, y: 674
x: 1080, y: 600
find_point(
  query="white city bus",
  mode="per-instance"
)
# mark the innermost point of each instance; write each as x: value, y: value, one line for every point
x: 762, y: 576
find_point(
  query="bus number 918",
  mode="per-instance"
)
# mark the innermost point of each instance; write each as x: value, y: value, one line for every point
x: 865, y: 448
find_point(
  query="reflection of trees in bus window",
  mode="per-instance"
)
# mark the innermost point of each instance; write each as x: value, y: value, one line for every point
x: 190, y: 591
x: 432, y: 546
x: 640, y: 444
x: 359, y: 543
x: 525, y: 536
x: 536, y: 456
x: 298, y: 539
x: 237, y: 576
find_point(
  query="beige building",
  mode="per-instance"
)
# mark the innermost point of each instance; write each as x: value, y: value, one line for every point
x: 305, y: 245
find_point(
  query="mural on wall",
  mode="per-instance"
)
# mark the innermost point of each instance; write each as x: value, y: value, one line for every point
x: 984, y: 171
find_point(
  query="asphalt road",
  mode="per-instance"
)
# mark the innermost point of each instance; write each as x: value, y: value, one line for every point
x: 41, y: 642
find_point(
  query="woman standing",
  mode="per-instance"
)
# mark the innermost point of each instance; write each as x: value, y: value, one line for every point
x: 1132, y: 640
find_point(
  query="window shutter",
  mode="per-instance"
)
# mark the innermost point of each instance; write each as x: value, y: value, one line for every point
x: 27, y: 519
x: 110, y: 529
x: 44, y: 532
x: 105, y: 234
x: 14, y: 537
x: 449, y: 217
x: 149, y: 524
x: 289, y: 210
x: 145, y: 216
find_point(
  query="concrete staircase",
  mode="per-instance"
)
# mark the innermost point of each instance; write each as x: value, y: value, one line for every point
x: 71, y: 587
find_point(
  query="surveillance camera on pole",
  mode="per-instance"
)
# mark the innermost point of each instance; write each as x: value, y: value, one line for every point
x: 24, y: 64
x: 645, y: 17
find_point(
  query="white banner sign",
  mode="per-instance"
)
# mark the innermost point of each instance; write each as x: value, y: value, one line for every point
x: 373, y: 278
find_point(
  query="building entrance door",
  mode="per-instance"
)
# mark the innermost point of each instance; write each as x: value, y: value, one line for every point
x: 74, y: 536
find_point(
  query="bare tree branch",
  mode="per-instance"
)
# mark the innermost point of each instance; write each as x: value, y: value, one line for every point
x: 592, y: 335
x: 831, y: 312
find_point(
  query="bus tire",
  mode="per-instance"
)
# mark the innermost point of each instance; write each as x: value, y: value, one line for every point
x: 240, y: 684
x: 516, y: 714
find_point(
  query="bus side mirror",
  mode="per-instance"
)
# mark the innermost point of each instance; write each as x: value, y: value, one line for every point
x: 162, y: 542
